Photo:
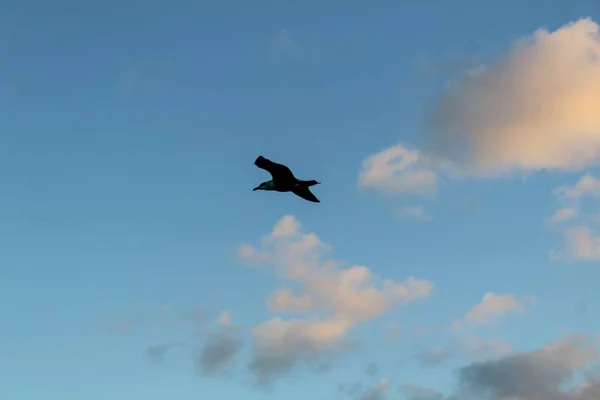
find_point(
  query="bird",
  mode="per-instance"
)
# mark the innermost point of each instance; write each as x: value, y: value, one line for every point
x: 283, y: 180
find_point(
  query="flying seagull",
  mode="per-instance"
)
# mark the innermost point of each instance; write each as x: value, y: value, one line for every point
x: 284, y: 180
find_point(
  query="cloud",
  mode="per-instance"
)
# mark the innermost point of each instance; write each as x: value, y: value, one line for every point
x: 578, y: 227
x: 372, y: 369
x: 426, y: 69
x: 478, y: 349
x: 393, y: 332
x: 285, y: 46
x: 491, y: 306
x: 586, y: 186
x: 156, y: 354
x: 434, y: 356
x: 377, y: 392
x: 281, y: 344
x: 219, y: 352
x: 283, y: 300
x: 468, y: 346
x: 124, y: 325
x: 563, y: 215
x: 582, y: 243
x: 353, y: 293
x: 556, y: 371
x: 538, y: 375
x: 398, y: 169
x: 224, y: 319
x: 536, y: 108
x: 414, y: 212
x: 338, y: 297
x: 412, y: 391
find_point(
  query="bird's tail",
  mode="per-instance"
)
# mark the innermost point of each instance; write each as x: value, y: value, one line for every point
x: 310, y: 183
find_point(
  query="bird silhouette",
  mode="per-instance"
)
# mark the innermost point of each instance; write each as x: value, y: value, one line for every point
x: 283, y: 180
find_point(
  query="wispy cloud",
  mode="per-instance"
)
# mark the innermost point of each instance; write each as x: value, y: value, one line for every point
x: 434, y: 356
x: 157, y: 353
x: 129, y: 81
x: 417, y: 213
x: 492, y: 306
x: 578, y: 227
x: 398, y: 169
x: 124, y: 325
x: 285, y: 46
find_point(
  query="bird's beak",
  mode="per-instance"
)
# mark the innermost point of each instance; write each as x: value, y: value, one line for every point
x: 256, y: 188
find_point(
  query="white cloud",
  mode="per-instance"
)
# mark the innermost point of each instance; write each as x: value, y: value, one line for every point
x: 578, y: 227
x: 339, y: 297
x: 537, y: 108
x: 414, y: 212
x: 354, y: 291
x: 398, y: 170
x: 490, y: 307
x: 563, y: 215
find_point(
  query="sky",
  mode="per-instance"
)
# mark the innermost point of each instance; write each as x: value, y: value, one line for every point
x: 455, y: 253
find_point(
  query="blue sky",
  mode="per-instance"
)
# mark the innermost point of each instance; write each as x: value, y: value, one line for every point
x: 128, y: 132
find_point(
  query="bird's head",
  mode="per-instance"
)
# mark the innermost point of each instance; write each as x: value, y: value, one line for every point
x: 263, y: 186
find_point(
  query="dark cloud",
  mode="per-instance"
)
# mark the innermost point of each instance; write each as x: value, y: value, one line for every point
x: 219, y: 352
x: 538, y: 375
x: 267, y: 366
x: 557, y: 371
x: 415, y: 392
x: 270, y: 363
x: 156, y: 354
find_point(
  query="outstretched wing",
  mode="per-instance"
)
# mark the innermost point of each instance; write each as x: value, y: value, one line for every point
x: 277, y: 171
x: 305, y: 193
